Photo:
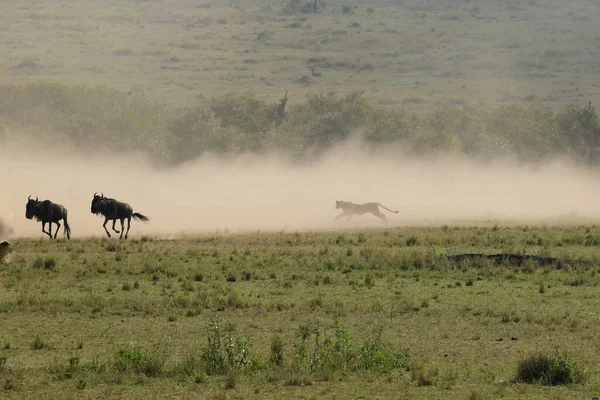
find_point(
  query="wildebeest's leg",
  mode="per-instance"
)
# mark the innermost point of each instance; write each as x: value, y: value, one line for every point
x: 44, y: 229
x: 104, y: 226
x: 57, y: 228
x: 114, y: 222
x: 128, y: 226
x: 122, y: 228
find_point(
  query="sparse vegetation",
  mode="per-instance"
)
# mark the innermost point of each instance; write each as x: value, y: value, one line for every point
x: 351, y: 330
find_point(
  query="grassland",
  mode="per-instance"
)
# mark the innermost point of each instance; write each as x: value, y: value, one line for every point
x: 347, y: 314
x: 134, y: 319
x: 420, y: 55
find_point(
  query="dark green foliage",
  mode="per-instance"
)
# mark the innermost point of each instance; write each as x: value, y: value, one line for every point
x: 559, y: 368
x: 99, y: 117
x: 581, y: 128
x: 324, y: 350
x: 224, y: 352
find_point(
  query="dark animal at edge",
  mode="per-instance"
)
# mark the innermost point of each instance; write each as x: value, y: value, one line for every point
x: 115, y: 210
x: 48, y: 212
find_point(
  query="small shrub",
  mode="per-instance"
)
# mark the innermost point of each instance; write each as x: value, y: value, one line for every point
x: 549, y: 369
x: 230, y: 379
x: 198, y: 278
x: 9, y: 385
x: 276, y: 357
x: 151, y: 363
x: 423, y: 377
x: 475, y: 396
x: 347, y: 9
x: 47, y: 263
x: 111, y: 247
x: 60, y: 371
x: 223, y: 353
x: 369, y: 281
x: 412, y: 241
x: 542, y: 288
x: 374, y: 356
x: 39, y: 343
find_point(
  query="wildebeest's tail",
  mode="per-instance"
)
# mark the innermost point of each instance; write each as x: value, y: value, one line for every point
x: 381, y: 205
x: 67, y: 227
x: 140, y: 217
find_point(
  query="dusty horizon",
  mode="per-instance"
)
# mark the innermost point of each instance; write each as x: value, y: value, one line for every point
x: 267, y: 193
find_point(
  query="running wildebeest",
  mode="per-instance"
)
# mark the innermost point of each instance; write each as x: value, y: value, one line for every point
x: 115, y: 210
x: 47, y: 212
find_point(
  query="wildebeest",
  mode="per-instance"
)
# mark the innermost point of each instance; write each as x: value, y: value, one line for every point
x: 47, y: 212
x: 115, y: 210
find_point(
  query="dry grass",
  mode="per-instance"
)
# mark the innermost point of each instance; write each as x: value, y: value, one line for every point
x: 76, y: 325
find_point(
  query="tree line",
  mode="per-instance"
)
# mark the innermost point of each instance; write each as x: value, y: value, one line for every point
x: 109, y: 119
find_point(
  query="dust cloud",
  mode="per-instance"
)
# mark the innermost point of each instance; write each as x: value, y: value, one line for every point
x: 268, y: 193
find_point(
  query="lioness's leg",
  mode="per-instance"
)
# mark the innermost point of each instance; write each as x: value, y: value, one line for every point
x: 380, y: 215
x: 340, y: 216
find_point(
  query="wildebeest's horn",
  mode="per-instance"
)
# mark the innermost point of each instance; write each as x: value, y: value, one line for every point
x: 102, y: 195
x: 29, y: 198
x: 95, y: 194
x: 36, y: 199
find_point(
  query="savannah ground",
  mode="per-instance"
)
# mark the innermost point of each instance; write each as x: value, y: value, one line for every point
x: 105, y: 318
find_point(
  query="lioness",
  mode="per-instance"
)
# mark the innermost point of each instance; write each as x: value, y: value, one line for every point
x: 349, y: 209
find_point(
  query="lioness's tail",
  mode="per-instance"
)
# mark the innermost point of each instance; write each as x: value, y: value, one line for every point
x: 381, y: 205
x: 140, y: 217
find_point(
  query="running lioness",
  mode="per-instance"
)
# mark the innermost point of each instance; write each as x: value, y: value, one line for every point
x: 349, y: 209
